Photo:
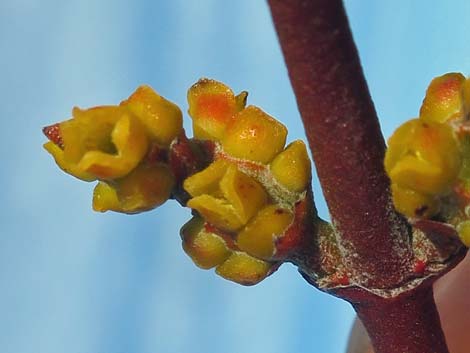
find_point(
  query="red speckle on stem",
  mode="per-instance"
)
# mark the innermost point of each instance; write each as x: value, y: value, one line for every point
x: 419, y: 267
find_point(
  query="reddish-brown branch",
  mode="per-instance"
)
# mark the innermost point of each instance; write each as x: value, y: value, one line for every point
x: 348, y: 148
x: 407, y: 324
x: 344, y: 136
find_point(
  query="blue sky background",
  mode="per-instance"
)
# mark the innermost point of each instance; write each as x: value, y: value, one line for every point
x: 75, y: 281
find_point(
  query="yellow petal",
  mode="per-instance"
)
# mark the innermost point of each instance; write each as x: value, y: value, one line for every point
x: 244, y: 269
x: 206, y: 249
x: 207, y: 180
x: 443, y: 99
x: 216, y: 211
x: 292, y: 168
x: 245, y: 194
x: 66, y: 166
x: 131, y: 143
x: 254, y: 135
x: 259, y: 236
x: 162, y: 119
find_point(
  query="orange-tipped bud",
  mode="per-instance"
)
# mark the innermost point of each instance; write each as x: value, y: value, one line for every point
x: 244, y: 269
x: 254, y: 135
x: 162, y: 119
x: 205, y: 248
x: 443, y: 99
x: 258, y: 238
x: 292, y: 168
x: 211, y: 106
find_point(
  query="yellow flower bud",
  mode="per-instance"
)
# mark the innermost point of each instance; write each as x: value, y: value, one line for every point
x: 205, y: 248
x: 211, y: 105
x: 162, y: 119
x: 244, y: 269
x: 254, y: 135
x: 292, y: 168
x: 100, y: 143
x: 207, y: 181
x: 245, y: 194
x: 259, y: 236
x: 413, y: 203
x: 146, y: 187
x: 463, y: 229
x: 217, y: 212
x: 423, y: 157
x: 105, y: 198
x: 443, y: 99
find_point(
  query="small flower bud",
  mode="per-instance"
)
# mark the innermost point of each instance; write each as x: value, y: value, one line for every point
x: 145, y: 188
x: 216, y: 211
x: 254, y: 135
x: 211, y: 106
x: 292, y: 168
x: 245, y: 194
x: 244, y: 269
x: 423, y: 157
x: 443, y: 99
x: 162, y: 119
x: 258, y: 238
x: 205, y: 248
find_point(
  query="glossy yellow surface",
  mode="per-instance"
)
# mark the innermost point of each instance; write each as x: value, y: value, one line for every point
x: 211, y: 106
x: 259, y: 236
x: 216, y: 211
x: 207, y: 181
x: 443, y: 99
x: 292, y: 168
x: 414, y: 204
x: 244, y: 269
x: 162, y: 119
x: 146, y: 187
x: 206, y: 249
x: 245, y: 194
x: 423, y: 156
x: 254, y: 135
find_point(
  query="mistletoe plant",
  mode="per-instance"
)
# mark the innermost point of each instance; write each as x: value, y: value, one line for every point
x: 251, y: 195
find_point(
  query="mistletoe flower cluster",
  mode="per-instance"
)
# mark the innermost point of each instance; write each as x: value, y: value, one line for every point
x: 248, y: 191
x: 428, y: 157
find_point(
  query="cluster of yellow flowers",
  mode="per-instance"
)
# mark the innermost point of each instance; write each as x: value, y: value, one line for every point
x: 111, y: 143
x: 245, y: 198
x: 244, y: 201
x: 428, y: 158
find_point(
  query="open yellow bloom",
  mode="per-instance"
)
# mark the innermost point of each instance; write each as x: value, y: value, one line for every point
x: 110, y: 143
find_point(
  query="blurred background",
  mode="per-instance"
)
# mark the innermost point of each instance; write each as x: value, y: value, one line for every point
x: 76, y: 281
